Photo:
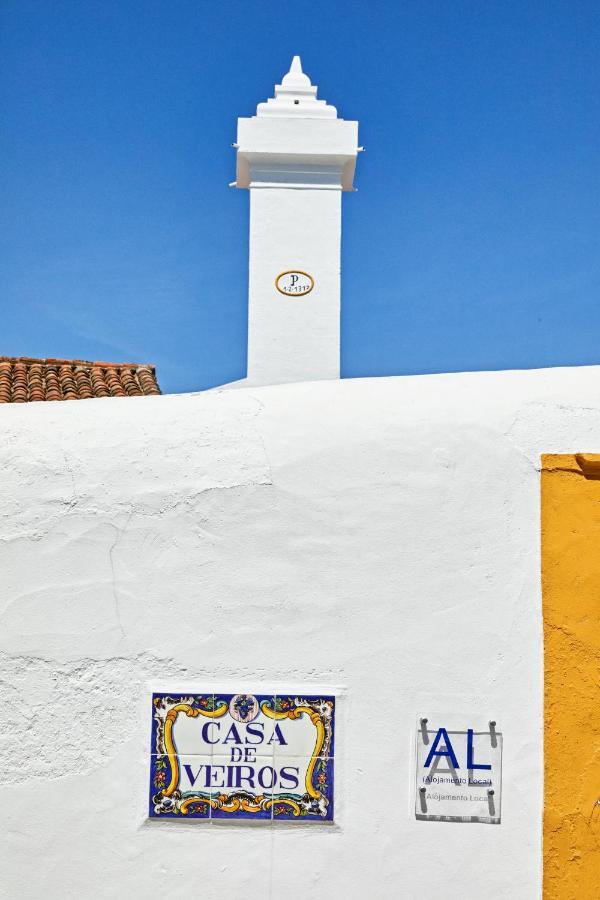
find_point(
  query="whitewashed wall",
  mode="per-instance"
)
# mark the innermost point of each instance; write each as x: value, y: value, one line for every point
x: 293, y: 338
x: 380, y: 534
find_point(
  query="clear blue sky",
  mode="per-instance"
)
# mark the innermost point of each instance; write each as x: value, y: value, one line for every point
x: 473, y: 241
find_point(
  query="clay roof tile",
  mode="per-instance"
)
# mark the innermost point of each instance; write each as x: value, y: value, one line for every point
x: 26, y: 379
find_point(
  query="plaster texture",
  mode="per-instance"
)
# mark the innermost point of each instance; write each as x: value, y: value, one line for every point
x: 380, y: 535
x: 571, y: 607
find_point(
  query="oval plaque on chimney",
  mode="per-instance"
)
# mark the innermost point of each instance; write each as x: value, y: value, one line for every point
x: 294, y: 283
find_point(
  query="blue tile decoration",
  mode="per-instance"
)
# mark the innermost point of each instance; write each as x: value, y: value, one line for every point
x: 224, y: 757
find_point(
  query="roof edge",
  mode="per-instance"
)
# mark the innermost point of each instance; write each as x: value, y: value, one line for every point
x: 52, y: 361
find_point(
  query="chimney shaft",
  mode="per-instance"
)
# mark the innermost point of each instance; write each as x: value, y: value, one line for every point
x: 295, y: 157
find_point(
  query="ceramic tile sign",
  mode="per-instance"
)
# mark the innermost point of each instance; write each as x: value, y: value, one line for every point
x: 226, y: 757
x: 459, y: 771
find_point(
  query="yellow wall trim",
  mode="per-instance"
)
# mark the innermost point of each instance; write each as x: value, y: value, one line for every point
x: 571, y: 610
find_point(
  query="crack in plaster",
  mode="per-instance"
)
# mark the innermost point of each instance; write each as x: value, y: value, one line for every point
x: 245, y: 462
x: 119, y: 533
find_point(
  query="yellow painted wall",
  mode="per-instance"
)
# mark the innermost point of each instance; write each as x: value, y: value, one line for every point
x: 571, y: 604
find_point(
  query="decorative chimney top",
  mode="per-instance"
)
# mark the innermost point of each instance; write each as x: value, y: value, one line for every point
x: 296, y: 157
x: 296, y: 96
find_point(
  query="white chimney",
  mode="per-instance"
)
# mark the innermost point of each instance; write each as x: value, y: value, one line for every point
x: 296, y: 157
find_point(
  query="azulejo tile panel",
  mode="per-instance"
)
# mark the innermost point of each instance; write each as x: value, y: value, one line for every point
x: 260, y: 757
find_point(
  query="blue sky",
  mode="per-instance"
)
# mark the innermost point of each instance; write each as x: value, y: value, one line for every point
x: 473, y: 241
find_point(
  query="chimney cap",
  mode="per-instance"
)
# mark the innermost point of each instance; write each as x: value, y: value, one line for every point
x: 296, y: 96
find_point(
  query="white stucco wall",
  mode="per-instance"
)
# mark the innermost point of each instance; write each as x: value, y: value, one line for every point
x: 294, y: 338
x: 379, y: 534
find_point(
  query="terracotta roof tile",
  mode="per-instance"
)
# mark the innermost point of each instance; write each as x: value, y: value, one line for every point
x: 24, y: 380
